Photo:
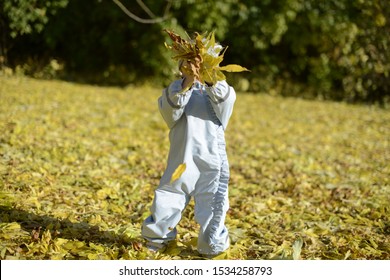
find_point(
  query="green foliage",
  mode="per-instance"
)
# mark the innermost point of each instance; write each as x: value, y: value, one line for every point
x: 27, y: 16
x: 343, y: 47
x: 336, y: 49
x: 79, y: 164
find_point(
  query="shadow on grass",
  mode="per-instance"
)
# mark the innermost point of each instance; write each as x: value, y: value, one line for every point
x: 63, y: 228
x: 35, y: 225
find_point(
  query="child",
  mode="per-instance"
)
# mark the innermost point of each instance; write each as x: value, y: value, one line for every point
x: 197, y: 119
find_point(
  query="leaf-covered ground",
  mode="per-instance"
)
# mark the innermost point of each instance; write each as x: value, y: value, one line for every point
x: 78, y: 166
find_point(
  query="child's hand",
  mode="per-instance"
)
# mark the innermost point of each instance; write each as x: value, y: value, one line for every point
x: 188, y: 70
x: 187, y: 82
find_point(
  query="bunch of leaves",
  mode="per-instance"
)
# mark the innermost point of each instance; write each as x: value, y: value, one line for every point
x: 203, y: 56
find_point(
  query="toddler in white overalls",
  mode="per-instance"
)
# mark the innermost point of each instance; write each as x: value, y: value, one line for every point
x: 197, y: 119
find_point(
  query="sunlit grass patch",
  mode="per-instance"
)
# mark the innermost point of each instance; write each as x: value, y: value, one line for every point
x: 78, y: 166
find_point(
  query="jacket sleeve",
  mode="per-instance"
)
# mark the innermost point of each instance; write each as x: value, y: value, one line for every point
x: 222, y: 98
x: 172, y: 102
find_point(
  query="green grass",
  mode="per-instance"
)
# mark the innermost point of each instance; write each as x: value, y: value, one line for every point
x: 78, y: 166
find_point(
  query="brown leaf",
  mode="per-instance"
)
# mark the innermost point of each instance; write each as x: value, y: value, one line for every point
x: 35, y: 234
x: 137, y: 246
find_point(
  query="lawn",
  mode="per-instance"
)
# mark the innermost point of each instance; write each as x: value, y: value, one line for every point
x: 79, y: 164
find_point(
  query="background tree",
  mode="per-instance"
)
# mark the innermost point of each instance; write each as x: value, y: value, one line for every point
x: 21, y: 17
x: 336, y: 49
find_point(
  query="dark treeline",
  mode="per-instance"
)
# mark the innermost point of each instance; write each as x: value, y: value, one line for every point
x: 333, y: 49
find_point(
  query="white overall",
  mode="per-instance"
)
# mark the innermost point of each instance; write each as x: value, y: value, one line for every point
x: 197, y: 120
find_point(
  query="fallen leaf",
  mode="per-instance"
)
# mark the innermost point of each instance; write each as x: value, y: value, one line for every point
x: 297, y: 248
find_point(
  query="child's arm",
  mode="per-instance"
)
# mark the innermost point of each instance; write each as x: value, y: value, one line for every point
x: 172, y: 102
x: 222, y: 98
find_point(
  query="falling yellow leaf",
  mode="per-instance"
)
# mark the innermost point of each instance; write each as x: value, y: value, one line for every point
x: 178, y: 172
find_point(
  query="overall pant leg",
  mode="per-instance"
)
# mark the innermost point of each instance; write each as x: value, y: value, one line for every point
x: 167, y: 208
x: 211, y: 205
